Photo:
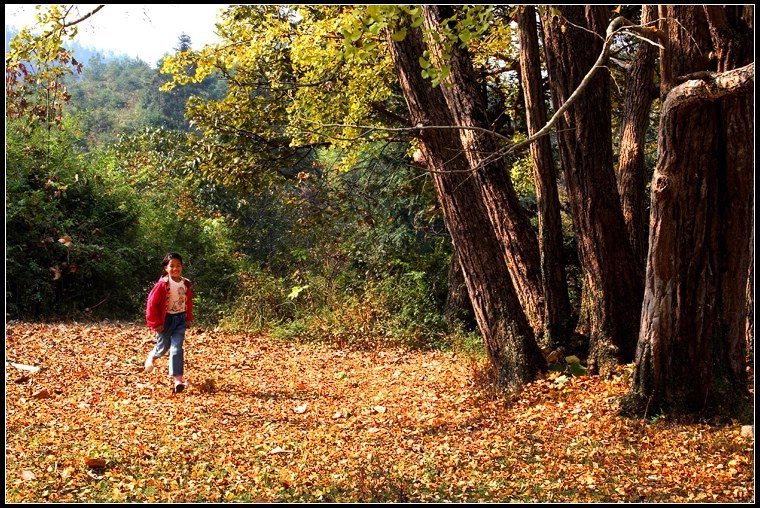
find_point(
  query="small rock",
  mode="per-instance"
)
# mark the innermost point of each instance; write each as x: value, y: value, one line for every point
x: 748, y: 430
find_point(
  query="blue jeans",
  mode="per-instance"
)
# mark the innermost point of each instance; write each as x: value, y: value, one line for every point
x: 171, y: 339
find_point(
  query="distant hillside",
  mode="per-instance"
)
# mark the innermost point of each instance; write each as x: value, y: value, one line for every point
x: 81, y: 53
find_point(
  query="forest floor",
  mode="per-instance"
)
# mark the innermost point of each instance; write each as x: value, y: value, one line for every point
x: 264, y: 420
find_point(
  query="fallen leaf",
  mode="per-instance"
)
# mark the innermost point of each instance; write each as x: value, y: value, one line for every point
x: 95, y: 463
x: 379, y: 409
x: 44, y: 393
x: 28, y: 475
x: 277, y: 450
x: 300, y: 409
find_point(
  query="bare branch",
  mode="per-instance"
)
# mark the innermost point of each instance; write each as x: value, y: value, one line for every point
x: 76, y: 21
x: 616, y: 26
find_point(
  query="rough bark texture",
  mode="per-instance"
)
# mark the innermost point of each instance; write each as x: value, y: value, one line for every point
x: 557, y: 302
x: 750, y: 318
x: 611, y: 291
x: 507, y: 334
x: 691, y: 352
x: 467, y: 106
x: 734, y: 43
x: 632, y: 172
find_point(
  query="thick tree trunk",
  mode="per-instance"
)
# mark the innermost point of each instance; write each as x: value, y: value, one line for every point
x: 691, y: 352
x: 511, y: 224
x: 750, y: 317
x: 557, y: 302
x: 632, y: 173
x: 507, y: 334
x: 733, y: 42
x: 611, y: 292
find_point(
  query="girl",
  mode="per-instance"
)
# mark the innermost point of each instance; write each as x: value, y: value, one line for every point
x: 169, y: 312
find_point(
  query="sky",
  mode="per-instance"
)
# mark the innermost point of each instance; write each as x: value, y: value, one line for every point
x: 144, y: 31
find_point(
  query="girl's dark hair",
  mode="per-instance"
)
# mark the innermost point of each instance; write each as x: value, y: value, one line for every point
x: 169, y: 257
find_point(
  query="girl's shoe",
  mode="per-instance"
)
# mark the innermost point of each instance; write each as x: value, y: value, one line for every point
x: 149, y: 363
x: 179, y: 385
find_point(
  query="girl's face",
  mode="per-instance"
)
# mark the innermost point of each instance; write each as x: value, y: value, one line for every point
x: 174, y: 269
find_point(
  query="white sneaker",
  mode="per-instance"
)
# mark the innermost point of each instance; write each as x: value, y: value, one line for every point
x: 179, y: 386
x: 149, y: 363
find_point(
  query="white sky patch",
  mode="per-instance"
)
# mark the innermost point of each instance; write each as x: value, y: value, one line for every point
x: 144, y: 31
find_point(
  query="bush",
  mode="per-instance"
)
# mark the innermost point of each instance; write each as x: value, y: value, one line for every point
x: 70, y: 239
x: 259, y: 302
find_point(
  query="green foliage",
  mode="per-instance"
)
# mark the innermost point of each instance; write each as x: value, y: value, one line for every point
x: 260, y: 301
x: 112, y: 98
x: 570, y: 366
x: 70, y: 233
x: 283, y: 221
x: 121, y: 96
x: 85, y: 235
x: 522, y: 179
x: 396, y: 311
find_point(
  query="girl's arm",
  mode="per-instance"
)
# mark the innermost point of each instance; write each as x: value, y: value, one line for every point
x: 153, y: 315
x: 189, y: 302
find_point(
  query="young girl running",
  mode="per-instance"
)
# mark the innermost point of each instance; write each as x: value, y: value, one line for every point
x: 169, y: 312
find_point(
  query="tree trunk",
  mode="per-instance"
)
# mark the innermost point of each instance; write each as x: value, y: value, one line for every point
x: 557, y: 302
x: 511, y: 224
x: 632, y: 173
x: 750, y: 317
x: 691, y: 352
x: 506, y: 332
x: 611, y: 291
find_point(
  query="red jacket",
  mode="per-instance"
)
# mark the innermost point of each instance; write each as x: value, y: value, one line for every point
x: 158, y: 301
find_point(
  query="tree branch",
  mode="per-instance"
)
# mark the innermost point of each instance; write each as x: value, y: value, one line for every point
x: 615, y: 26
x: 76, y: 21
x: 710, y: 86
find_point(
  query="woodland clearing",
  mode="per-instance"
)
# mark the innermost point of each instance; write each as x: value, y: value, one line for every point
x: 267, y: 420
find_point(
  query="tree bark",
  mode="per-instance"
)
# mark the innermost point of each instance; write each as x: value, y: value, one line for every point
x: 506, y: 332
x: 750, y: 316
x: 558, y: 315
x: 632, y: 172
x: 733, y: 42
x: 467, y: 108
x: 611, y: 291
x: 692, y: 347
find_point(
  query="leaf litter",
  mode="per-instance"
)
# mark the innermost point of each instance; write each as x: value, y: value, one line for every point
x: 268, y: 421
